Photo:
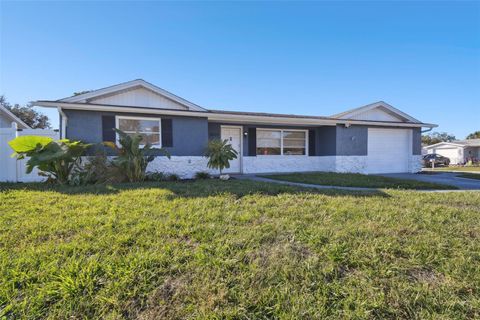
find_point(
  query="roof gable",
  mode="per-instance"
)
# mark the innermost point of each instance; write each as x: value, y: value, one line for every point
x: 135, y: 93
x: 378, y: 111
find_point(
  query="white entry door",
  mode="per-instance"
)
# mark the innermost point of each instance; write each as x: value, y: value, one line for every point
x: 389, y: 150
x: 234, y: 137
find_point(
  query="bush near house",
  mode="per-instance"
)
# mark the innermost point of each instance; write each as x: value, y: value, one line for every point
x: 211, y: 249
x: 219, y: 154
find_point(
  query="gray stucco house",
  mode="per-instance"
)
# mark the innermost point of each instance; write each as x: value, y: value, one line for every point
x: 376, y: 138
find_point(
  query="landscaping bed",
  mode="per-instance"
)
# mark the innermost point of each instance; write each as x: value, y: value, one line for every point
x: 236, y: 249
x: 356, y: 180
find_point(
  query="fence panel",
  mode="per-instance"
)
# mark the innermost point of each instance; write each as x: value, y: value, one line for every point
x: 8, y: 165
x: 12, y: 169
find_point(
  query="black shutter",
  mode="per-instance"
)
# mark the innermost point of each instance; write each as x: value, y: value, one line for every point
x: 108, y: 123
x: 311, y: 142
x: 252, y: 141
x: 167, y: 135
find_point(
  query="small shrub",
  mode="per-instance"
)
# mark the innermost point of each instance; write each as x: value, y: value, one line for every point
x: 155, y: 176
x: 132, y: 158
x: 219, y: 153
x: 96, y: 170
x: 173, y: 177
x: 201, y: 175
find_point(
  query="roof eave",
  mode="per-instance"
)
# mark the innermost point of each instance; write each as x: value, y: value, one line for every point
x: 226, y: 116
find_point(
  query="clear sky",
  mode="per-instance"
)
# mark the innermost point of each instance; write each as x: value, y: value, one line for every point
x: 315, y: 58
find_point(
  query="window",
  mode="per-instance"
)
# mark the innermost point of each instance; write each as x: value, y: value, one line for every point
x: 148, y: 128
x: 294, y: 142
x: 269, y: 142
x: 281, y: 142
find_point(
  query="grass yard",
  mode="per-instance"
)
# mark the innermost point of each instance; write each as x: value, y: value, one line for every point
x: 237, y: 250
x: 356, y: 180
x: 453, y: 169
x: 470, y: 176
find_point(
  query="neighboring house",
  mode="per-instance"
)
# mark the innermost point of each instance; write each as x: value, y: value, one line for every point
x: 376, y: 138
x: 459, y: 152
x: 8, y: 119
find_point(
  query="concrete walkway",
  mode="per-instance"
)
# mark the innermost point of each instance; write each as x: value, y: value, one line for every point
x: 253, y: 177
x: 448, y: 178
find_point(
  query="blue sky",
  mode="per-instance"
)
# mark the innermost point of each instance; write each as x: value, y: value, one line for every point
x: 315, y: 58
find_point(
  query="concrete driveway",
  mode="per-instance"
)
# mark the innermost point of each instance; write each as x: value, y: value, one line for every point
x: 442, y: 178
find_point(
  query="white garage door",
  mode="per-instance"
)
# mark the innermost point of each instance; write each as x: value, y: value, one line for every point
x: 454, y: 154
x: 389, y: 150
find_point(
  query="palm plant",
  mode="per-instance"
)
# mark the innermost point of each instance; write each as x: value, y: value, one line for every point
x: 219, y: 153
x: 132, y: 157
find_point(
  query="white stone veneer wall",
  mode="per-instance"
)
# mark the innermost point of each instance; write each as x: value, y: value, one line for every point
x: 185, y: 167
x: 266, y: 164
x: 416, y: 164
x: 357, y: 164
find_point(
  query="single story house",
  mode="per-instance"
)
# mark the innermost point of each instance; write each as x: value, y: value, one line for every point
x: 376, y: 138
x: 459, y: 152
x: 9, y: 120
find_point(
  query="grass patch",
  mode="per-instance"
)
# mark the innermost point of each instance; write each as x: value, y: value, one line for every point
x: 469, y: 176
x: 356, y: 180
x: 467, y: 168
x: 236, y: 250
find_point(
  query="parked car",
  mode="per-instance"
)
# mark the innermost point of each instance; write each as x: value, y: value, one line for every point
x: 435, y: 158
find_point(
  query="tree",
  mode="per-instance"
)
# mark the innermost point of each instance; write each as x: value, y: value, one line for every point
x: 436, y: 137
x: 81, y: 92
x: 27, y: 114
x: 219, y: 154
x: 475, y: 135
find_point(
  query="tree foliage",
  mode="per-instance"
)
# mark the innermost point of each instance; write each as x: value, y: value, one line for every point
x: 436, y: 137
x: 219, y: 154
x: 474, y: 135
x: 27, y: 114
x: 81, y: 92
x: 54, y: 159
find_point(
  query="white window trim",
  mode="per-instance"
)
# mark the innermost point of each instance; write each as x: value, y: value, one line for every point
x: 281, y: 142
x: 117, y: 121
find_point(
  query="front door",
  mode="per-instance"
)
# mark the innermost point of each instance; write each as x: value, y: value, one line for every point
x: 234, y: 137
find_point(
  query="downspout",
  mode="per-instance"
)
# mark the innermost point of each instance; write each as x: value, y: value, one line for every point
x: 428, y: 130
x: 63, y: 133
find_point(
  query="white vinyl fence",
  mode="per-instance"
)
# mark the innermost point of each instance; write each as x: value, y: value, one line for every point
x: 14, y: 170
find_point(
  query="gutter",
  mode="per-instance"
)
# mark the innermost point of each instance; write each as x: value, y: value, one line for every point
x: 427, y: 130
x: 63, y: 133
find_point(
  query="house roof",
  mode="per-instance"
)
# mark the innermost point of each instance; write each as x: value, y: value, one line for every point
x: 458, y: 143
x: 85, y: 97
x: 93, y: 101
x: 381, y: 105
x: 14, y: 118
x: 228, y: 116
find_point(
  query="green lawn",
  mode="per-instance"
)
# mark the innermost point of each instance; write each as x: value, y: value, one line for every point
x: 469, y: 169
x: 470, y: 176
x: 237, y: 250
x: 355, y: 180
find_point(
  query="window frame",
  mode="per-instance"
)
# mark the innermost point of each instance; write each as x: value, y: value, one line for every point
x: 117, y: 123
x: 281, y: 142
